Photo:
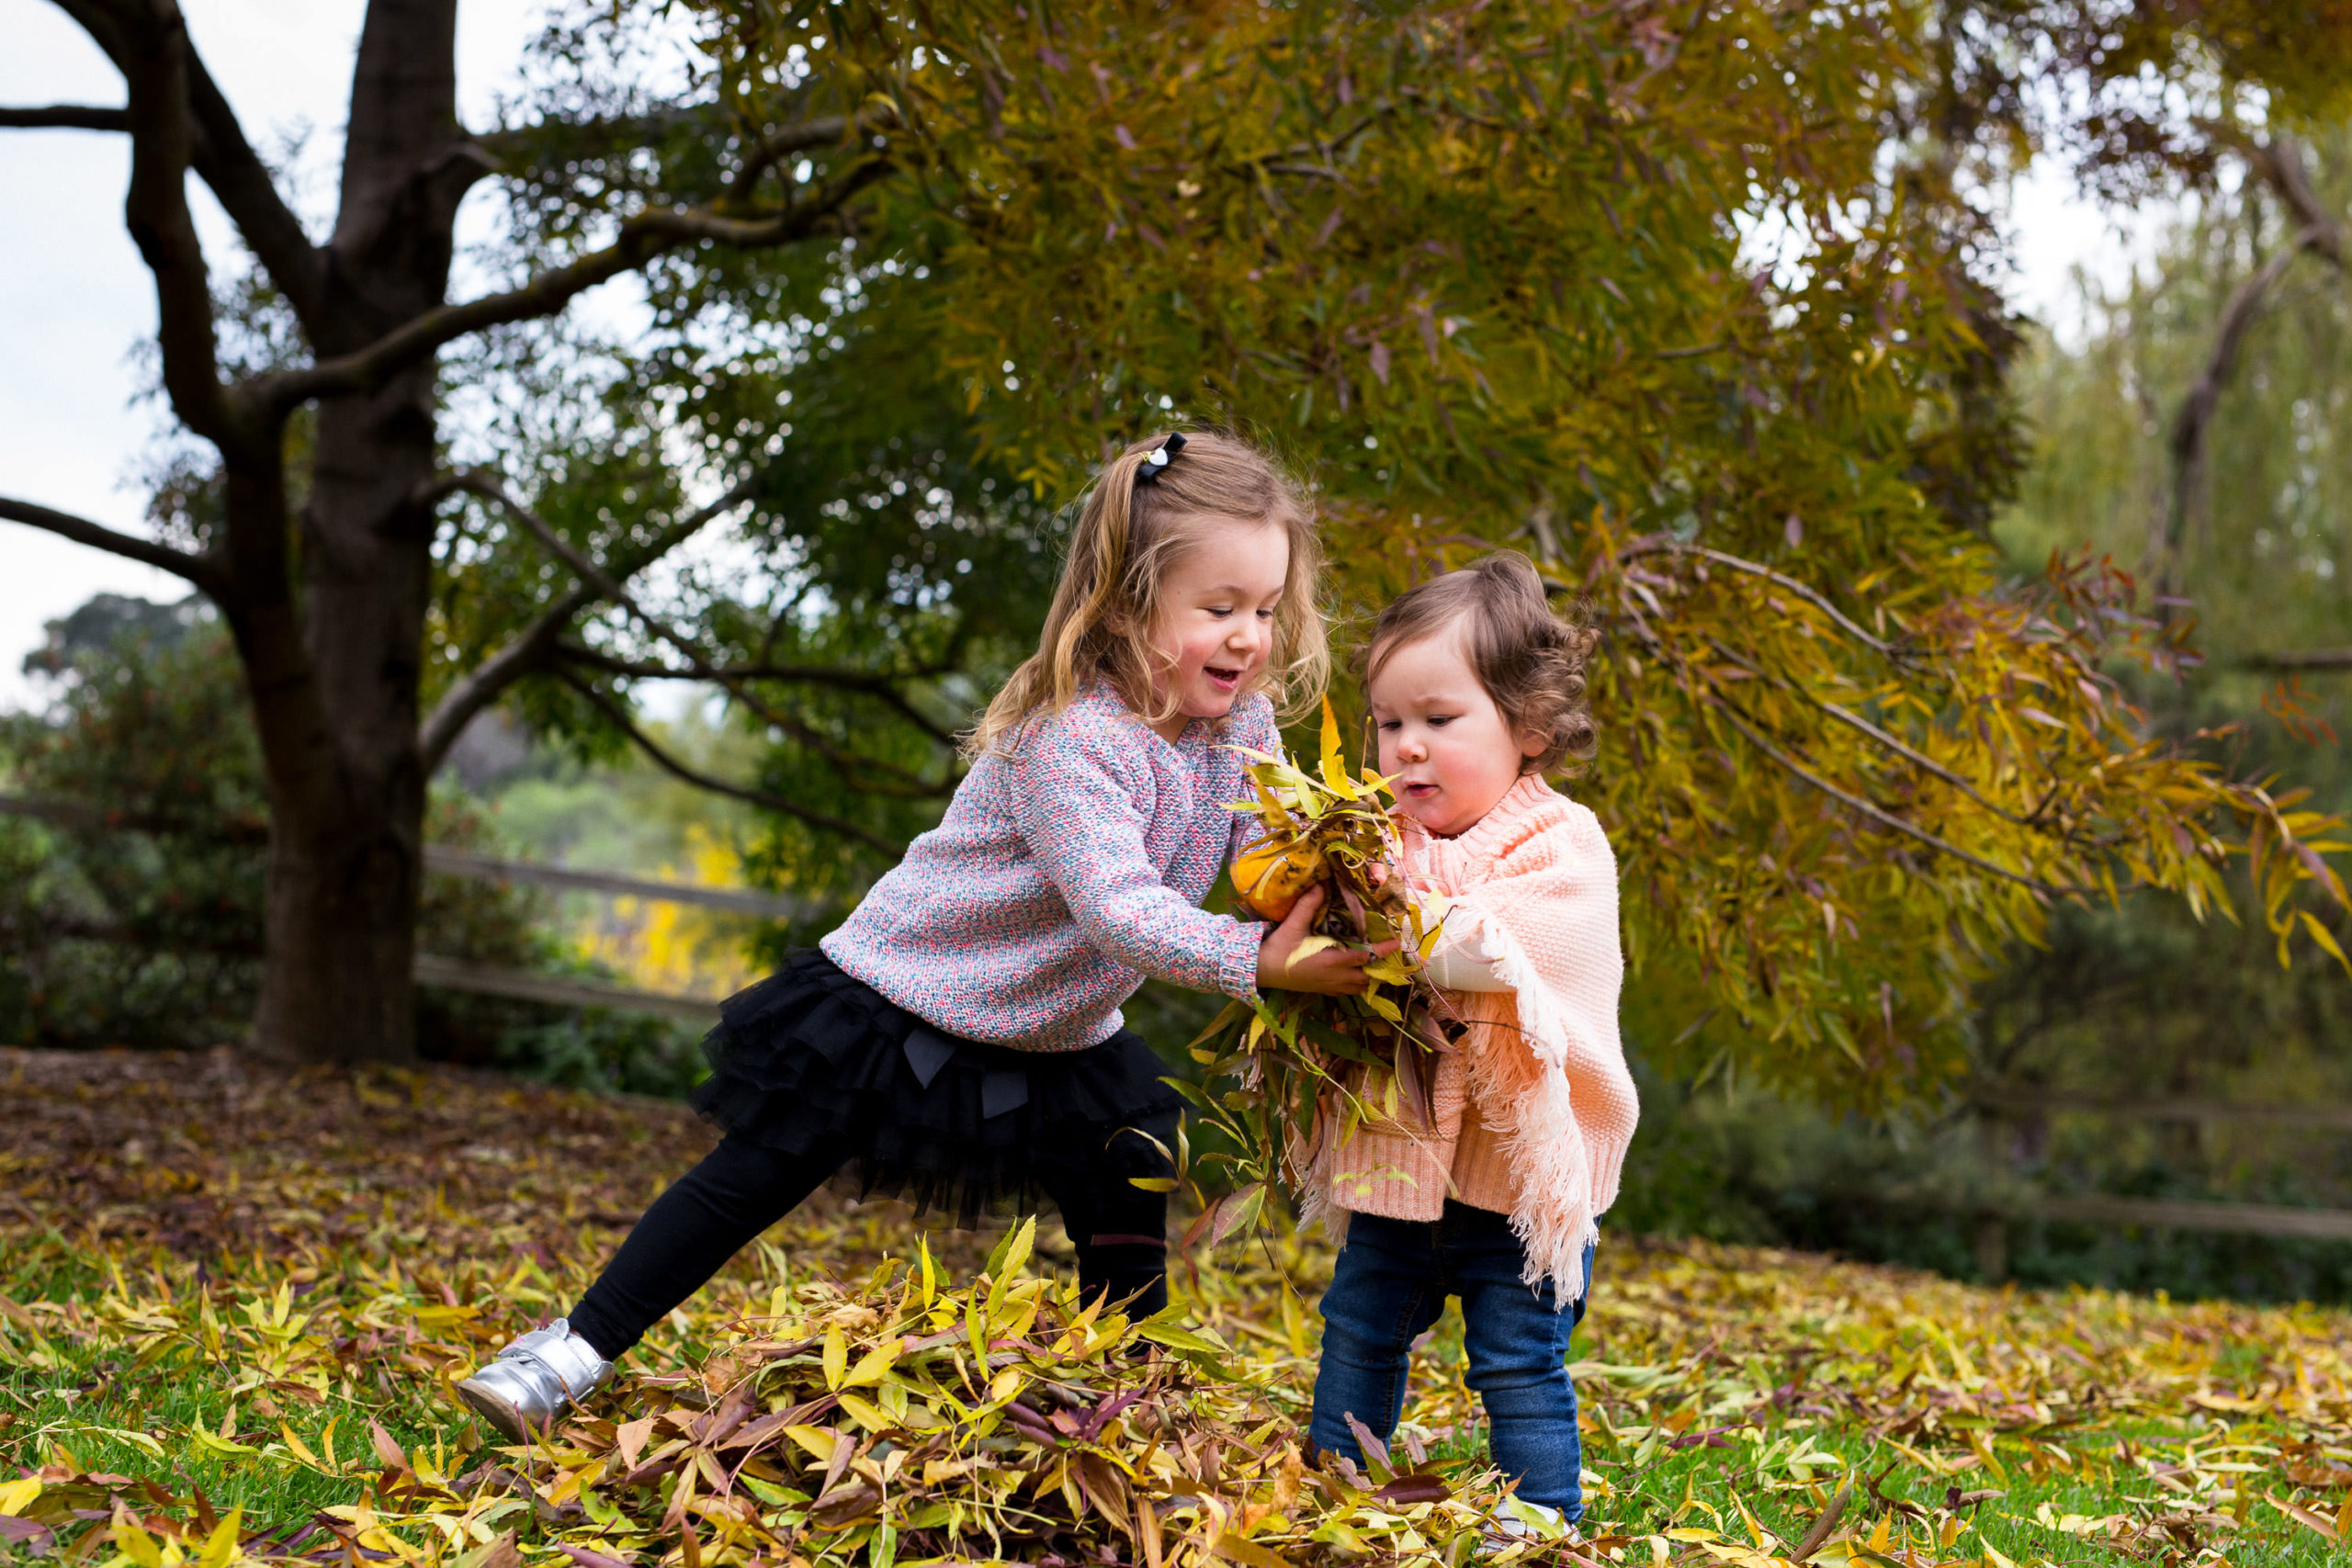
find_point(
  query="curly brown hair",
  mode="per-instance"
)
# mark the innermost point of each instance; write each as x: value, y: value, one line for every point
x: 1530, y: 658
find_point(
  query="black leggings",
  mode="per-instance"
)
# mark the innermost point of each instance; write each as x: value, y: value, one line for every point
x: 740, y: 1188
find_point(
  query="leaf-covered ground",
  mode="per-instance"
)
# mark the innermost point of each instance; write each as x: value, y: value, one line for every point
x: 231, y: 1302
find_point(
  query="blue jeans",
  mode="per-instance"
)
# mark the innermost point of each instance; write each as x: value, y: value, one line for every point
x: 1390, y: 1285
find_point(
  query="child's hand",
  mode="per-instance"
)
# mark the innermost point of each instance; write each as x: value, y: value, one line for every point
x: 1332, y: 972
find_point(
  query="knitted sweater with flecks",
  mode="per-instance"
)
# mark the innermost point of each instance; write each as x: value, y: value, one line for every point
x: 1066, y: 871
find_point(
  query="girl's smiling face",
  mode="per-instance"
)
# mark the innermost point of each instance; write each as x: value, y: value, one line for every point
x: 1442, y: 740
x: 1216, y: 623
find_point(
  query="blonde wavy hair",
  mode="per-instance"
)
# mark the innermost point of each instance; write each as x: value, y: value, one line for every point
x: 1129, y: 535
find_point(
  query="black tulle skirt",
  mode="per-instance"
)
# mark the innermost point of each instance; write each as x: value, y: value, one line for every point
x: 819, y: 1064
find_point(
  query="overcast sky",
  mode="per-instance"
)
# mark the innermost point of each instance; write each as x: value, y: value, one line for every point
x: 74, y: 301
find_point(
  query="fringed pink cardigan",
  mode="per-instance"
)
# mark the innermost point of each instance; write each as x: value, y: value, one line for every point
x: 1535, y: 1109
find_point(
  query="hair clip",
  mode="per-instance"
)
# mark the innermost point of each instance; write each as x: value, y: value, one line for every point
x: 1159, y: 457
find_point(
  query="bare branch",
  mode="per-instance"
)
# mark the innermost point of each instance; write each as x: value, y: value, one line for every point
x: 1880, y: 815
x: 823, y: 131
x: 760, y: 797
x: 424, y: 334
x: 1919, y: 760
x: 700, y: 665
x: 2313, y: 659
x: 65, y: 117
x: 199, y: 571
x: 883, y: 687
x: 485, y: 683
x: 643, y: 237
x: 1656, y: 545
x: 530, y: 649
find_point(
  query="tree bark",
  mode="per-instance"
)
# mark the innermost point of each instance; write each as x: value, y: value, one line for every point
x: 331, y: 636
x: 346, y: 849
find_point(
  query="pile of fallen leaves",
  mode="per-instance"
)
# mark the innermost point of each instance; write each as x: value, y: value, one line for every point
x: 233, y: 1302
x: 1003, y: 1421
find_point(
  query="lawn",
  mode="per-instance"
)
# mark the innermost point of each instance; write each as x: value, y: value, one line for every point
x: 232, y: 1300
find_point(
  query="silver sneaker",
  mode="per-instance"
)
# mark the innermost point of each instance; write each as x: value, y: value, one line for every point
x: 534, y: 1380
x: 1523, y: 1523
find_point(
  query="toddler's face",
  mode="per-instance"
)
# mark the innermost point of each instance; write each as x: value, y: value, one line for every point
x: 1445, y: 743
x: 1217, y: 618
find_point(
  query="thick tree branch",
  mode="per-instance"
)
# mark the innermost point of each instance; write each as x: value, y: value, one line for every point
x: 153, y: 57
x: 199, y: 571
x: 218, y: 151
x: 2279, y: 164
x: 760, y: 797
x: 643, y: 237
x: 228, y: 164
x: 529, y: 652
x: 64, y: 116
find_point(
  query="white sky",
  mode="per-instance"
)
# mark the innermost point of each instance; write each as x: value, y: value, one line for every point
x: 75, y: 301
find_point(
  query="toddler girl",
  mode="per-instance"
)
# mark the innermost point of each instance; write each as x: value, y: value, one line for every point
x: 958, y: 1039
x: 1477, y: 689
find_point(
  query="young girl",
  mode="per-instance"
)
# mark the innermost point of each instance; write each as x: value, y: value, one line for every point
x: 958, y: 1039
x: 1477, y: 690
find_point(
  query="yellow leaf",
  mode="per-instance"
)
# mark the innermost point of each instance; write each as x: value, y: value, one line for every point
x: 222, y: 1549
x: 136, y: 1543
x: 818, y: 1442
x: 301, y: 1449
x: 15, y: 1496
x: 139, y: 1440
x: 874, y: 1365
x: 2326, y: 940
x: 1308, y: 948
x: 864, y: 1413
x: 836, y: 1356
x: 1024, y: 1240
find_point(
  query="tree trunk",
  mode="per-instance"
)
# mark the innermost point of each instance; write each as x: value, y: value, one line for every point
x: 347, y: 782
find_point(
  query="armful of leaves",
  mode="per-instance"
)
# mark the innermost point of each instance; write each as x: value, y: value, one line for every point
x: 1294, y: 1073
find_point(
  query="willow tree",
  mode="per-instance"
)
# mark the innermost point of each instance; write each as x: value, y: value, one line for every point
x: 1680, y: 298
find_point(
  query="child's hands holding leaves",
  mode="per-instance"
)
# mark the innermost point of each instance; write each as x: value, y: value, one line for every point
x: 1325, y: 966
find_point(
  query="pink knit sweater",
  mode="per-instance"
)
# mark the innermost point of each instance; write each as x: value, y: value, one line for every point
x: 1535, y: 1109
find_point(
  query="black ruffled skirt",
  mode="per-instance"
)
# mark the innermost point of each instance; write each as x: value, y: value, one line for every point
x: 819, y: 1064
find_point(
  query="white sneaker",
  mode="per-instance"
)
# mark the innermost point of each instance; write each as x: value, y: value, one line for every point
x: 534, y: 1380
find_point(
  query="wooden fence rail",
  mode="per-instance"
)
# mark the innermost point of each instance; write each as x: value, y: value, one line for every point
x: 523, y: 985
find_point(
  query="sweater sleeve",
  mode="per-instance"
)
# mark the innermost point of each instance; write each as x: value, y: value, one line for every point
x: 1074, y: 805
